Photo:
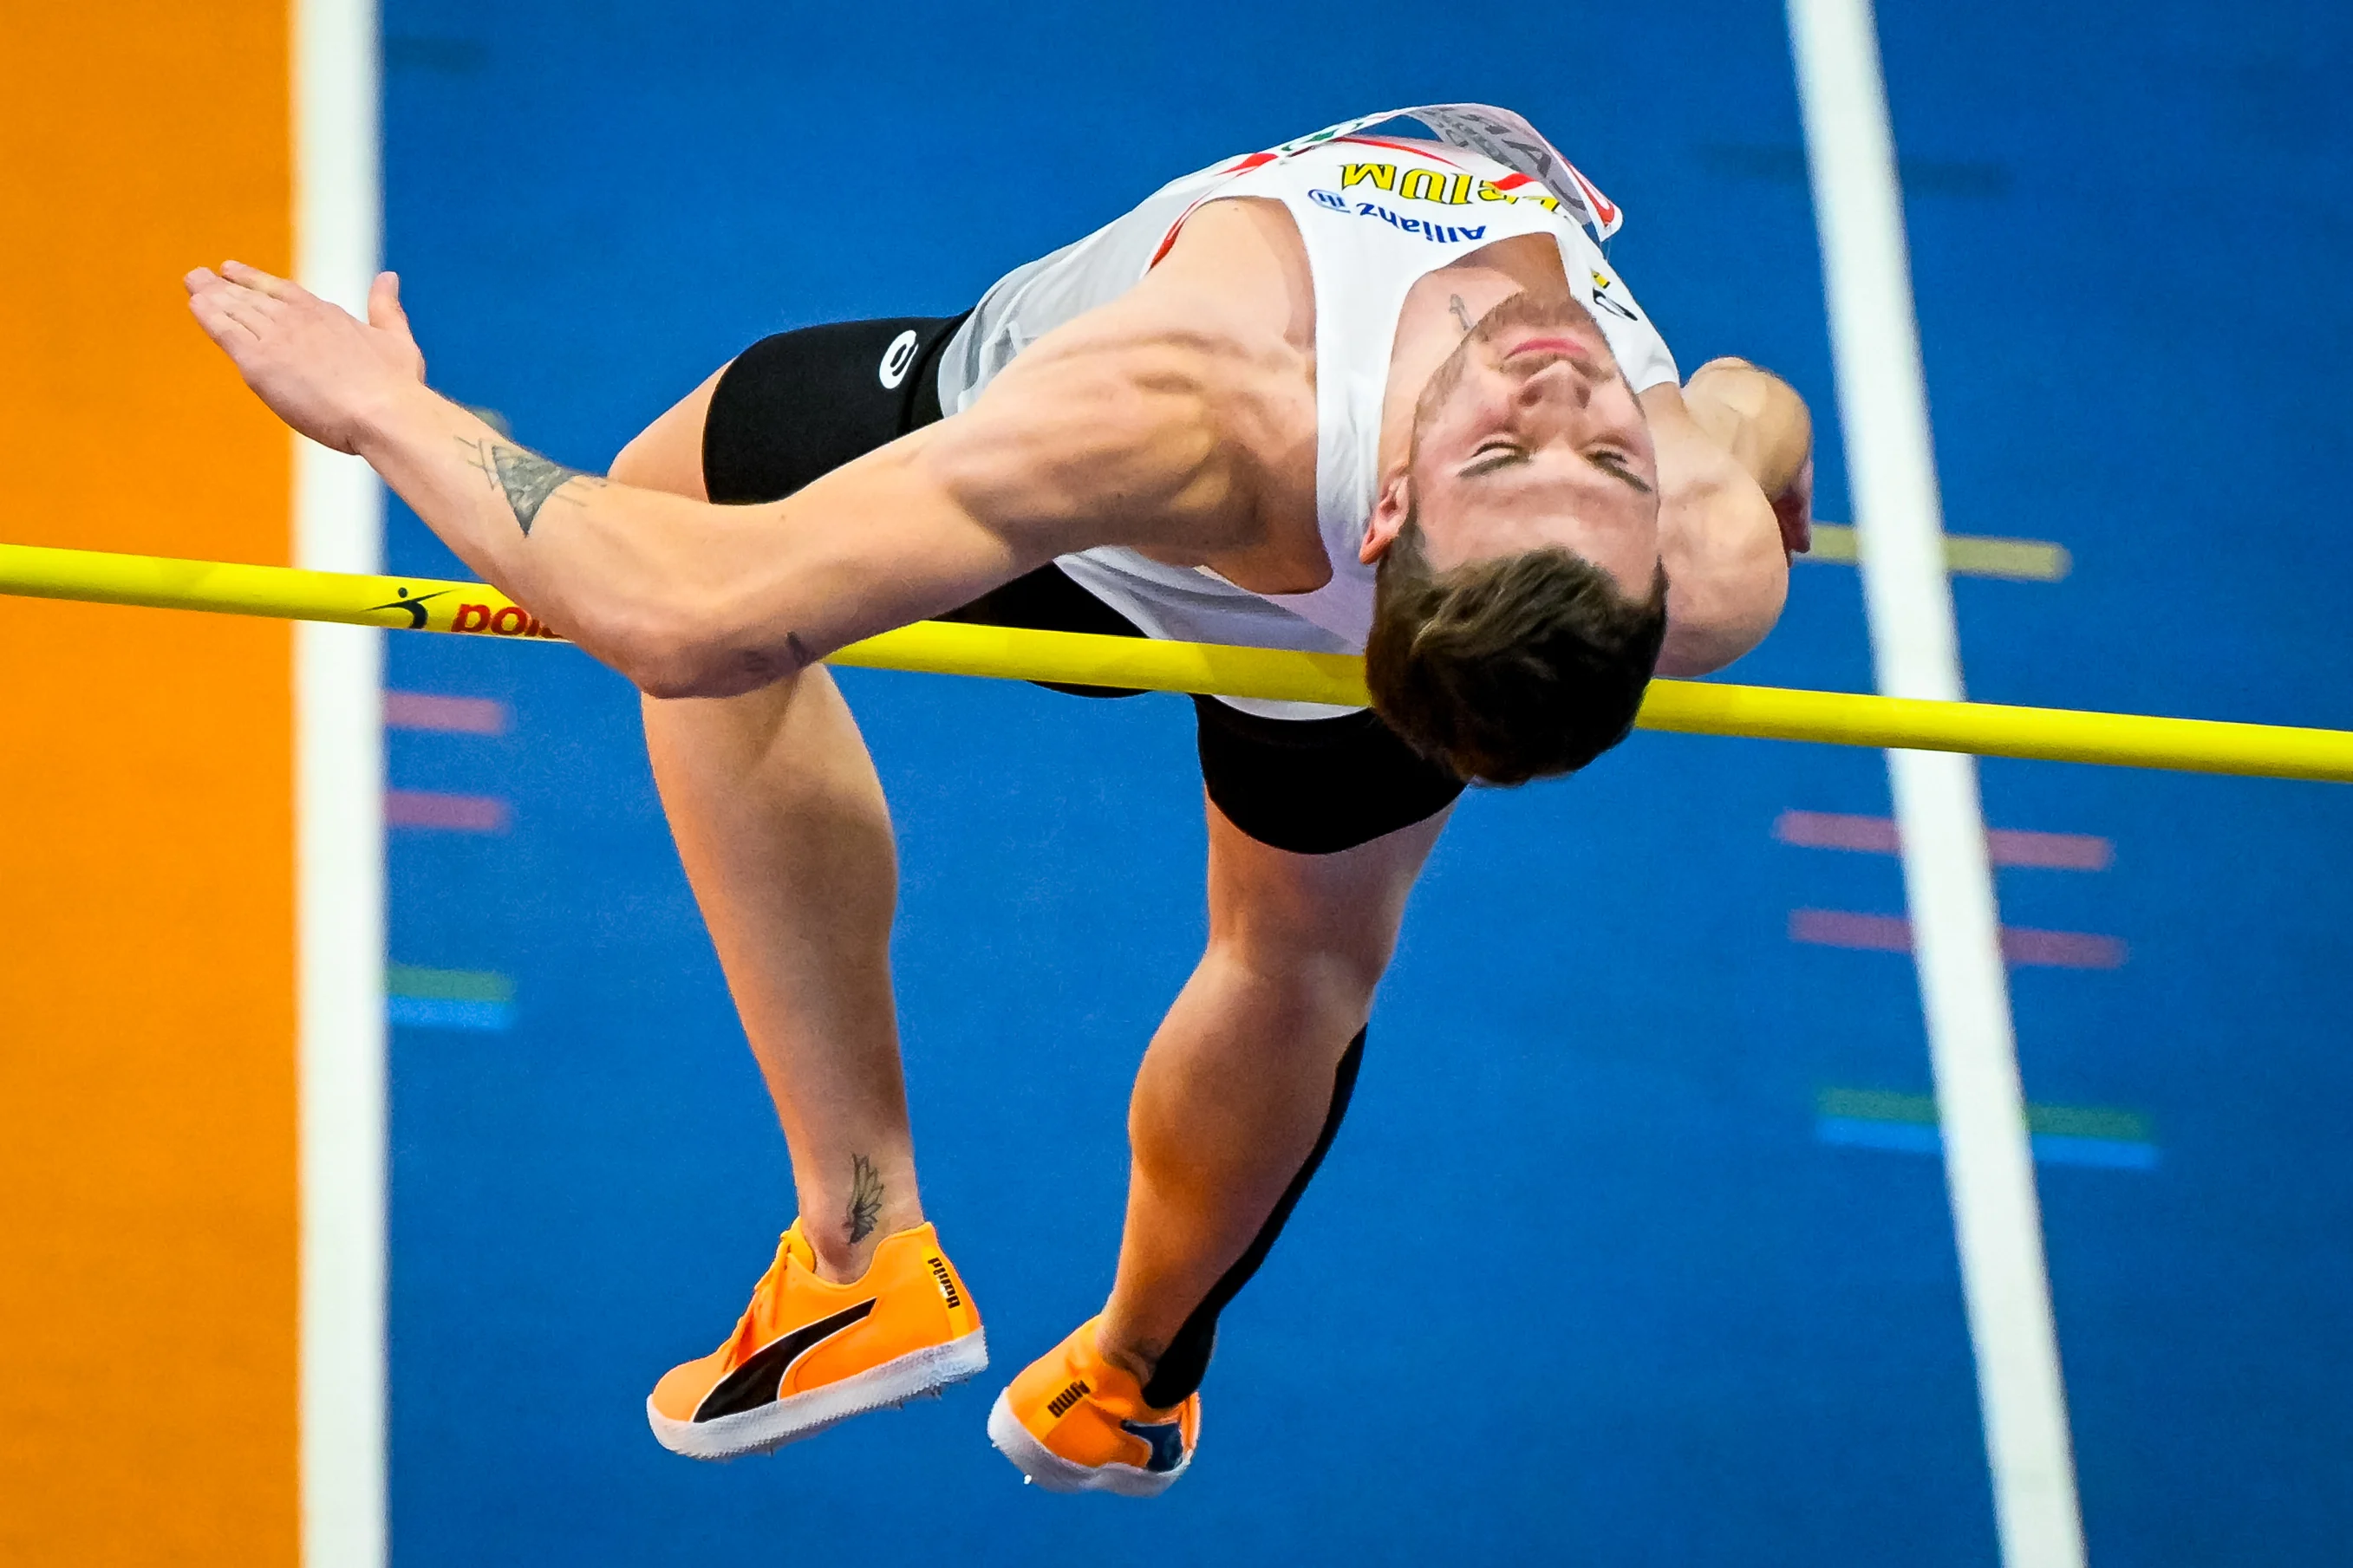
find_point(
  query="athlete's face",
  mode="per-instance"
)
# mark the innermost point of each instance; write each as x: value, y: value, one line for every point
x: 1528, y: 437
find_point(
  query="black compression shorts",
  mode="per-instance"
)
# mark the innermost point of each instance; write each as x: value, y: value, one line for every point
x: 801, y: 404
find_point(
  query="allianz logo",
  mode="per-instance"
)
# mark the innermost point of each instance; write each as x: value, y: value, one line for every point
x: 1435, y: 232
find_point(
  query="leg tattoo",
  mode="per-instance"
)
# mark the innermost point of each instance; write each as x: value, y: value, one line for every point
x: 865, y: 1198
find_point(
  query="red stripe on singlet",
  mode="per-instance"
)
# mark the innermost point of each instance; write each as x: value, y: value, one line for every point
x: 1241, y: 166
x: 1415, y: 148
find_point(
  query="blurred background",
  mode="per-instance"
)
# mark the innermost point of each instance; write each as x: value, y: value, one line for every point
x: 1635, y: 1248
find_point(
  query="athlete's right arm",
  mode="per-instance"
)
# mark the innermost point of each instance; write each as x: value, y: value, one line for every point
x: 1734, y: 447
x: 1107, y: 430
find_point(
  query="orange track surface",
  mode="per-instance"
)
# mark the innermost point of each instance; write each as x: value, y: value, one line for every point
x: 147, y: 1195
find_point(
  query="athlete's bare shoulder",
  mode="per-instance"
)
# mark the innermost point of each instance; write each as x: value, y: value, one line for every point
x: 1241, y: 262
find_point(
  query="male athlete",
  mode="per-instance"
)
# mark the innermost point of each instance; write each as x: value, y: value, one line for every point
x: 1357, y: 393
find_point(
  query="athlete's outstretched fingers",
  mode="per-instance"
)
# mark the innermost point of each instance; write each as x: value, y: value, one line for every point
x: 226, y: 311
x: 257, y: 312
x: 213, y: 314
x: 204, y: 282
x: 261, y: 282
x: 243, y: 303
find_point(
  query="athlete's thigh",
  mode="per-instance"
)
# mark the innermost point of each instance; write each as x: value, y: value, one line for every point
x: 666, y: 454
x: 1347, y: 905
x: 793, y: 408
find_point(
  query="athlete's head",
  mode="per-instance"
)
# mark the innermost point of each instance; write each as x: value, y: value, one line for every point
x: 1520, y: 604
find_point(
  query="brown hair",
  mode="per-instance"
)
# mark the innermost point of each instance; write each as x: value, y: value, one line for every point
x: 1513, y: 668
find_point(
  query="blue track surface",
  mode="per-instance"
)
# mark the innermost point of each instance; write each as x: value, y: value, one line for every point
x: 1586, y: 1276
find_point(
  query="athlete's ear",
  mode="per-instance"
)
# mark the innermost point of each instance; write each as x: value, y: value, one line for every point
x: 1389, y: 513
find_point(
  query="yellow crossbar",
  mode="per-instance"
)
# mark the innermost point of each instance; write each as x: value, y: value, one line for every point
x: 1700, y: 708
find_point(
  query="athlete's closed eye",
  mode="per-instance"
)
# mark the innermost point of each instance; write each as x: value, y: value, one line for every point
x: 1491, y: 456
x: 1618, y: 466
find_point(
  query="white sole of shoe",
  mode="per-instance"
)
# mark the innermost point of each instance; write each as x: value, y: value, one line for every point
x: 799, y: 1415
x: 1057, y: 1474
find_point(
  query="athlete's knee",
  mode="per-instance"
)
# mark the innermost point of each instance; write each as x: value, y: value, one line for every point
x: 1329, y: 922
x: 1333, y: 945
x: 1323, y: 979
x: 797, y: 732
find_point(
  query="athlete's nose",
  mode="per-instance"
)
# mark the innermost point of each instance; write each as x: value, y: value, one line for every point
x: 1568, y: 380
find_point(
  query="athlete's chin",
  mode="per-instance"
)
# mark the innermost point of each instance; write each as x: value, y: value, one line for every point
x: 1525, y: 321
x: 1524, y: 313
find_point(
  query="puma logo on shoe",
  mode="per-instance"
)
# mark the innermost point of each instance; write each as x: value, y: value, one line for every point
x: 1060, y: 1403
x: 762, y: 1375
x: 947, y: 1280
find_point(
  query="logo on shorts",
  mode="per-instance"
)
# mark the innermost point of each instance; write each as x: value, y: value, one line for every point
x: 897, y: 358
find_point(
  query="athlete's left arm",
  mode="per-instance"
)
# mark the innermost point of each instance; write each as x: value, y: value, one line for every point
x: 1109, y: 430
x: 1735, y: 473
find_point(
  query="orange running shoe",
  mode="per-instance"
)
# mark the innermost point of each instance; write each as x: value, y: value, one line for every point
x: 1073, y: 1422
x: 808, y: 1353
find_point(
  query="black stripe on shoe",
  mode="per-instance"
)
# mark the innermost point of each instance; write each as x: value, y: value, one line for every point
x: 1168, y: 1440
x: 757, y: 1382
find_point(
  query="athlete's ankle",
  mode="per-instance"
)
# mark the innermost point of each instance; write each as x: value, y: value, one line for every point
x: 842, y: 1261
x: 1138, y: 1359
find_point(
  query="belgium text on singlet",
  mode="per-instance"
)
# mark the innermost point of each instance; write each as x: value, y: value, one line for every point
x: 1374, y: 213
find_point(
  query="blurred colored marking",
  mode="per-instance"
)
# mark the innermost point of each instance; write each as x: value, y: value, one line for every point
x: 2092, y: 1135
x: 2019, y: 944
x: 448, y: 998
x: 448, y: 715
x: 452, y: 813
x: 2008, y: 845
x: 1965, y: 554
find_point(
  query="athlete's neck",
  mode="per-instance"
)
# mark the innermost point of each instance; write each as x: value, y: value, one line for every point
x: 1245, y: 257
x: 1439, y: 311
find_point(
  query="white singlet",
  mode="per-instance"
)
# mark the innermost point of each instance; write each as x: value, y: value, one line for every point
x: 1375, y: 212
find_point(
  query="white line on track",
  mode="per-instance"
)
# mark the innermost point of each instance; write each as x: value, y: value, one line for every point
x: 1964, y: 991
x: 339, y: 810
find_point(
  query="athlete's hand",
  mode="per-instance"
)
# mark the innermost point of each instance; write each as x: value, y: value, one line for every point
x: 1793, y: 509
x: 319, y: 369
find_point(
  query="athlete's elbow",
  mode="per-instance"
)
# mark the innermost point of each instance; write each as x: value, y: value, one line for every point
x: 677, y: 649
x: 661, y: 669
x: 697, y: 666
x: 1711, y: 624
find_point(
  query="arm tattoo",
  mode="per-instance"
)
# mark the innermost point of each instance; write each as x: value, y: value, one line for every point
x: 865, y: 1198
x: 1460, y: 313
x: 526, y: 479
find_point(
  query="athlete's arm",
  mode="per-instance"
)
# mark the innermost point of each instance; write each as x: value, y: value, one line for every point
x: 1107, y: 430
x: 1735, y: 475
